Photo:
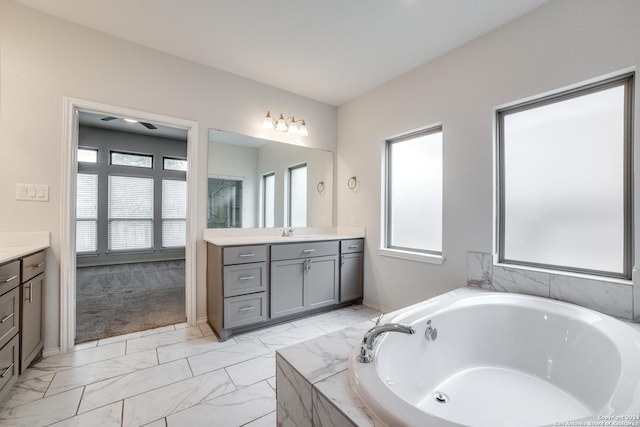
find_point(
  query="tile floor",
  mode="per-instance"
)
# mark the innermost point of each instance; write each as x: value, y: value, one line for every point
x: 171, y: 376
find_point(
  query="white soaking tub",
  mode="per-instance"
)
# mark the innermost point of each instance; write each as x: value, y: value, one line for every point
x: 502, y: 360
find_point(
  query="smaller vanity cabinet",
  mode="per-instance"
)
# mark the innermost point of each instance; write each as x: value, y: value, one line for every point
x: 31, y: 336
x: 351, y: 269
x: 237, y: 291
x: 9, y: 325
x: 304, y: 276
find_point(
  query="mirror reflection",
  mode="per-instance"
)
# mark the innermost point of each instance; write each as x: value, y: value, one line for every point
x: 254, y: 182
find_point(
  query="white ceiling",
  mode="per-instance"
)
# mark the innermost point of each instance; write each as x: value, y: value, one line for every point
x: 328, y: 50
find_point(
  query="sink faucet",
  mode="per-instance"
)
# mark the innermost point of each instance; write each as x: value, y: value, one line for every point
x: 287, y: 232
x: 370, y: 337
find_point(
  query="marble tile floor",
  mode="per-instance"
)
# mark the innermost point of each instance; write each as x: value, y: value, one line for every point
x: 176, y: 375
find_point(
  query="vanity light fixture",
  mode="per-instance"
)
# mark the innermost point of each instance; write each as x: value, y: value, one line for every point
x: 289, y: 125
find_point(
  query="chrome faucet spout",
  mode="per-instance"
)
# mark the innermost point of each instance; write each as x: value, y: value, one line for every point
x: 370, y: 337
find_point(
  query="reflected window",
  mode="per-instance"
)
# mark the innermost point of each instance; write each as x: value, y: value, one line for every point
x: 298, y: 196
x: 414, y: 192
x: 565, y: 180
x: 224, y: 209
x: 268, y: 200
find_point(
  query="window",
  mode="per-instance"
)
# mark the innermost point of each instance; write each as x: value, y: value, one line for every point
x: 129, y: 159
x: 88, y: 155
x: 174, y: 164
x: 298, y: 196
x: 564, y: 187
x: 414, y: 192
x: 268, y: 199
x: 86, y: 213
x: 130, y: 213
x: 174, y: 213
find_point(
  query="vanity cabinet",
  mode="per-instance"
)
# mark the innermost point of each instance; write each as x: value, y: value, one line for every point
x: 351, y: 269
x: 250, y: 286
x: 9, y: 325
x: 304, y: 276
x: 237, y: 292
x: 31, y: 336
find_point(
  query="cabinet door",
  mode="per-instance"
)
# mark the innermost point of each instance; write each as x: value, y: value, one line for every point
x: 351, y: 276
x: 321, y: 281
x: 31, y: 327
x: 287, y: 287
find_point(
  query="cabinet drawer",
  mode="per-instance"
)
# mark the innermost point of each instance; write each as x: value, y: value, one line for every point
x: 9, y: 276
x: 244, y: 254
x: 9, y: 315
x: 8, y: 366
x: 245, y: 279
x: 32, y: 266
x: 352, y: 245
x: 303, y: 250
x: 245, y: 310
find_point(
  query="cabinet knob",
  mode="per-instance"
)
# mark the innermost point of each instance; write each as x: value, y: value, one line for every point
x: 246, y: 255
x: 247, y: 308
x: 245, y: 278
x: 308, y: 251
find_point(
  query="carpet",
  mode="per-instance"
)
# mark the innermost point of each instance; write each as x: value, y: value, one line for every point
x: 119, y: 299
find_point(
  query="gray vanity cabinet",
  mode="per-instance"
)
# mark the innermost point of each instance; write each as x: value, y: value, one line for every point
x: 9, y: 325
x: 351, y: 269
x: 304, y: 276
x: 287, y: 287
x: 253, y: 286
x: 31, y: 336
x: 237, y: 291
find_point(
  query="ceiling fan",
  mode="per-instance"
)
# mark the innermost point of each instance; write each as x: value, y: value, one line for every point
x: 145, y: 124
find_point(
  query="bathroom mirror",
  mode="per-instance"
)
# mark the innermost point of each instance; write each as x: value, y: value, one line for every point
x: 254, y: 182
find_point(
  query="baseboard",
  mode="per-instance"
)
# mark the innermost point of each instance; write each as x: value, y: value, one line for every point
x: 202, y: 321
x: 50, y: 351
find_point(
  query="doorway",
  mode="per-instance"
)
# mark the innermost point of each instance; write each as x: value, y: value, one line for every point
x: 68, y: 261
x: 131, y: 203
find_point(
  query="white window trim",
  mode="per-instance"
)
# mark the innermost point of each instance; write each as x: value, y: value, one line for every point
x: 412, y: 256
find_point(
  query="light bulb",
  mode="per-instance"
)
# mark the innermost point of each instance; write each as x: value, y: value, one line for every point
x: 268, y: 121
x: 281, y: 125
x: 293, y: 127
x: 303, y: 129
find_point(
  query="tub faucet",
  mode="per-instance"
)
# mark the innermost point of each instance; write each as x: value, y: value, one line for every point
x: 370, y: 337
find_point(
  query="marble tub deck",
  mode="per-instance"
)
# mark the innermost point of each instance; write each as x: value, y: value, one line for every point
x: 171, y: 376
x: 314, y: 388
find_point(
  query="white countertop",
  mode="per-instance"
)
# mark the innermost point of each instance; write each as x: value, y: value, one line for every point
x: 14, y: 245
x: 14, y: 252
x: 259, y: 236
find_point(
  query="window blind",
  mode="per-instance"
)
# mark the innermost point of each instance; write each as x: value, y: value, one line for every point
x: 130, y: 213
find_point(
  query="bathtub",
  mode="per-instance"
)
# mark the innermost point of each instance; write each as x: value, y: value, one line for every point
x: 503, y: 360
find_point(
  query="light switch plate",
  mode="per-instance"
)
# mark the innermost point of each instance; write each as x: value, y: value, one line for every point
x: 32, y: 192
